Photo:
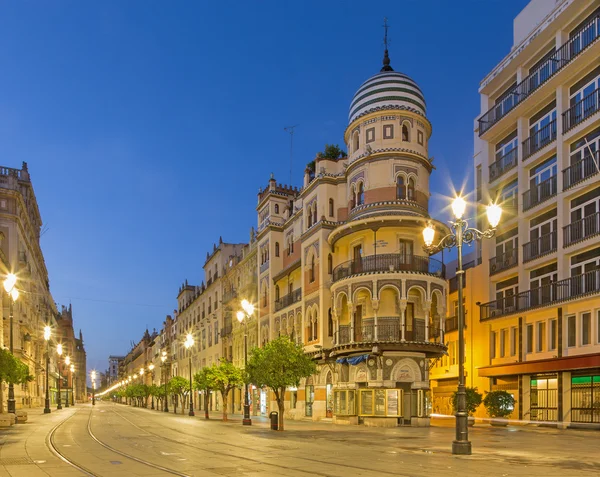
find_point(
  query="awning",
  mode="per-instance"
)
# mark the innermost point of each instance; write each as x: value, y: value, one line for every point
x: 354, y: 360
x: 542, y: 366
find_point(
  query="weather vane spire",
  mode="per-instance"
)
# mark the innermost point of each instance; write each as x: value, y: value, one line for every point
x: 386, y: 58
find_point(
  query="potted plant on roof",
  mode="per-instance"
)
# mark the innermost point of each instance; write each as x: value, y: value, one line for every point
x: 473, y: 401
x: 499, y: 405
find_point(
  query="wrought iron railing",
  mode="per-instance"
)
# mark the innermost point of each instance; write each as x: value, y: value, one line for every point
x: 587, y: 35
x: 581, y: 170
x: 581, y: 229
x: 581, y: 110
x: 504, y: 261
x: 389, y: 262
x: 504, y: 164
x: 288, y: 299
x: 539, y: 139
x: 539, y: 246
x: 539, y: 193
x: 570, y: 288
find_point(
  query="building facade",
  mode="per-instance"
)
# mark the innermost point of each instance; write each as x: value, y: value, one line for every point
x: 537, y: 144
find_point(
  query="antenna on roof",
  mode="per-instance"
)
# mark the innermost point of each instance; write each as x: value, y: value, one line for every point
x: 290, y: 129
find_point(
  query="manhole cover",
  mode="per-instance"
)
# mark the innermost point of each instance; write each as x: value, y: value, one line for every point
x: 16, y: 461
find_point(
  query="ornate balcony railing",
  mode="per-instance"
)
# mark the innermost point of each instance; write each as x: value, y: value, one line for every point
x: 570, y: 288
x: 388, y: 329
x: 539, y: 193
x: 504, y: 261
x: 540, y: 246
x: 504, y: 164
x: 451, y: 324
x: 539, y: 139
x: 587, y: 35
x: 581, y: 170
x: 581, y: 110
x: 288, y: 299
x: 264, y: 266
x: 389, y: 262
x: 581, y: 229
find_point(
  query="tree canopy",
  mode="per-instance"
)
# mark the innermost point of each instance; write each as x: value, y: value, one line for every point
x: 224, y: 377
x: 12, y: 370
x: 180, y: 387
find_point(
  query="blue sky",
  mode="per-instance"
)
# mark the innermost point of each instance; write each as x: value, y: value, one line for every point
x: 149, y: 126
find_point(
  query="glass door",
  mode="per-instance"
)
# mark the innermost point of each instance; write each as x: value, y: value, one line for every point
x: 310, y: 399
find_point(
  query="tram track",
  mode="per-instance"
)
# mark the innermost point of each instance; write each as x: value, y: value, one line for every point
x: 50, y: 442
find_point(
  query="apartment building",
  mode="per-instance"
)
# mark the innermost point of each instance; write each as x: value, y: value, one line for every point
x: 537, y: 143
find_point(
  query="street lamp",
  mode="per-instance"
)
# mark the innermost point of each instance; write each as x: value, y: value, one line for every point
x: 72, y: 369
x: 151, y: 368
x: 68, y: 363
x: 142, y: 380
x: 243, y: 317
x: 461, y: 234
x: 189, y: 342
x: 10, y: 286
x: 163, y: 358
x: 47, y: 333
x: 59, y: 351
x: 93, y: 388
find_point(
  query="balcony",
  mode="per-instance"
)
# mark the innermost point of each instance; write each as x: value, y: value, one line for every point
x: 451, y: 324
x: 389, y: 262
x: 504, y: 261
x: 539, y: 193
x: 581, y: 229
x: 386, y: 331
x: 581, y: 110
x: 504, y: 164
x: 581, y: 170
x: 539, y: 139
x: 288, y: 299
x: 556, y: 62
x: 264, y: 266
x: 229, y: 295
x: 540, y: 246
x: 577, y: 286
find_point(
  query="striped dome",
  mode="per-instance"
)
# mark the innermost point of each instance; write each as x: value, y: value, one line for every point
x: 388, y: 89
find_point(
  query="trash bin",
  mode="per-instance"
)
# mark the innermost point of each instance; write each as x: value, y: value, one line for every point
x: 274, y: 416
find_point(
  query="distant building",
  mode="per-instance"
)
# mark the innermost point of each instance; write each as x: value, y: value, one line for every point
x: 72, y: 347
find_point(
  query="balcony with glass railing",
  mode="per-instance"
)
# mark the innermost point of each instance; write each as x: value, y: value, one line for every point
x: 581, y: 170
x: 578, y: 286
x: 539, y: 193
x: 540, y: 246
x: 504, y: 164
x: 581, y: 110
x: 504, y: 261
x: 587, y: 35
x: 538, y: 140
x: 581, y: 229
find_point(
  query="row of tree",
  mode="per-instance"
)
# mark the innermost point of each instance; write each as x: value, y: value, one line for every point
x: 278, y: 365
x: 12, y: 370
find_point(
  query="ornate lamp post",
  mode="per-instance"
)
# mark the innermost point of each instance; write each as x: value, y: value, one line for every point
x: 243, y: 317
x: 68, y: 363
x: 189, y: 342
x: 461, y: 234
x: 142, y: 380
x: 151, y: 368
x: 163, y: 358
x: 59, y: 351
x: 93, y: 388
x: 47, y: 333
x: 72, y: 370
x: 10, y: 286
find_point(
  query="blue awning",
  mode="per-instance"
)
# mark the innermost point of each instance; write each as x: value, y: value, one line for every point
x: 354, y: 360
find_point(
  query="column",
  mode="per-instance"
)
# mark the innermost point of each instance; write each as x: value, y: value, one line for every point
x: 427, y: 312
x: 375, y: 306
x: 403, y: 303
x: 351, y: 313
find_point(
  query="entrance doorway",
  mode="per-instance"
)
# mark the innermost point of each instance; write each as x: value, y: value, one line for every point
x: 544, y: 398
x: 329, y: 411
x: 310, y: 398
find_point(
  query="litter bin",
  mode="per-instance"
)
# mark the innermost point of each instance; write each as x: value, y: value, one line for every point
x: 274, y: 416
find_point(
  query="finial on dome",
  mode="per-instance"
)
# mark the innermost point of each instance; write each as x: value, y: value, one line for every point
x: 386, y: 57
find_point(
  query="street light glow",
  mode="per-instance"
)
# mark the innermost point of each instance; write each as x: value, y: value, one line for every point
x: 240, y: 316
x: 458, y: 207
x: 67, y: 360
x: 248, y: 307
x: 428, y: 234
x: 59, y: 349
x: 72, y: 368
x: 189, y: 341
x: 494, y: 212
x: 151, y: 367
x: 9, y: 282
x: 93, y: 375
x: 14, y: 293
x: 47, y: 332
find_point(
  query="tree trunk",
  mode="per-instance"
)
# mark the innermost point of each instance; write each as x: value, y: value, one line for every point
x: 280, y: 396
x: 224, y: 395
x: 206, y: 398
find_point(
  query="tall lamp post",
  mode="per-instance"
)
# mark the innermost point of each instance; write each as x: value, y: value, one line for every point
x: 10, y: 286
x: 461, y: 234
x: 68, y: 363
x: 151, y: 368
x: 72, y: 369
x: 163, y: 358
x: 59, y: 351
x: 243, y: 317
x: 47, y: 333
x: 189, y: 342
x: 142, y: 382
x: 93, y: 388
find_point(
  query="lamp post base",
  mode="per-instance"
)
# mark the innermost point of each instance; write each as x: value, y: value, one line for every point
x: 47, y: 410
x: 461, y: 447
x: 191, y: 413
x: 247, y: 421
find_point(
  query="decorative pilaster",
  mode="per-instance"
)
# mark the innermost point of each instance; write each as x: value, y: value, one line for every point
x: 403, y: 304
x: 427, y: 312
x: 352, y: 317
x: 375, y: 306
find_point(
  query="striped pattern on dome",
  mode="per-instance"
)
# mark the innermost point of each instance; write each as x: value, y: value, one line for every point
x: 386, y: 89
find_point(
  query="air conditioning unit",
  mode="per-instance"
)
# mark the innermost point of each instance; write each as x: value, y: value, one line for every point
x: 509, y: 309
x: 495, y: 313
x: 493, y: 267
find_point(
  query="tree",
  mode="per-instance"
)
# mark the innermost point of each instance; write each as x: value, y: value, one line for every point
x: 12, y: 370
x: 179, y: 387
x: 158, y: 392
x: 473, y: 398
x: 332, y: 152
x: 277, y: 365
x: 499, y: 403
x: 224, y: 377
x: 204, y: 384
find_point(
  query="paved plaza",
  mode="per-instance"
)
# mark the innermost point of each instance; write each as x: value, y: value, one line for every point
x: 117, y: 440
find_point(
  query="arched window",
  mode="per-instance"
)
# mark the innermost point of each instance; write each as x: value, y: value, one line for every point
x: 265, y: 297
x: 315, y: 328
x: 356, y: 141
x: 276, y: 208
x: 405, y: 135
x: 209, y: 305
x: 315, y: 213
x: 276, y: 292
x: 277, y: 249
x: 360, y: 195
x: 329, y: 264
x: 411, y: 189
x: 312, y: 269
x: 400, y: 188
x: 352, y: 198
x: 309, y: 218
x: 329, y: 323
x: 330, y: 207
